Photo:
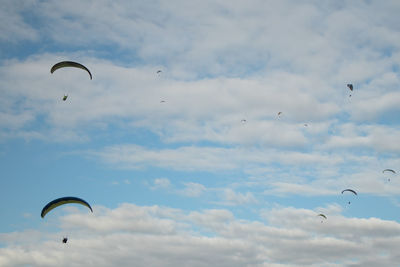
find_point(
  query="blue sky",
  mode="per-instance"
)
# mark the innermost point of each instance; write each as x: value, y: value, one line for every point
x: 193, y: 166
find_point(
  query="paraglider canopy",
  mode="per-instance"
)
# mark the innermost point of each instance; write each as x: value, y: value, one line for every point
x: 65, y: 97
x: 61, y: 201
x: 350, y: 86
x: 65, y: 239
x: 64, y: 64
x: 322, y: 216
x: 388, y: 170
x: 349, y: 190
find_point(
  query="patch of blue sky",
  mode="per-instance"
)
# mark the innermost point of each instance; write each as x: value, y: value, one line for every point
x: 367, y: 206
x: 20, y: 50
x: 122, y: 134
x: 41, y: 171
x: 390, y: 118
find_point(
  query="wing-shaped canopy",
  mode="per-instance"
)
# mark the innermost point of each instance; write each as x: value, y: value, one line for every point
x: 350, y: 86
x: 350, y: 190
x: 61, y: 201
x: 322, y: 215
x: 388, y: 170
x: 64, y: 64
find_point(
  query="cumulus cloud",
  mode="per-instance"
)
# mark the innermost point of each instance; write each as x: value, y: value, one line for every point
x: 222, y: 62
x: 303, y: 81
x: 161, y: 236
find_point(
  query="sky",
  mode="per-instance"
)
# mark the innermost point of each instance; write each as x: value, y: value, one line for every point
x: 213, y: 133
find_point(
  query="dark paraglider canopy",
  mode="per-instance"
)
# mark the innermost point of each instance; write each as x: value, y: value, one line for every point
x: 64, y: 64
x: 388, y: 170
x: 65, y: 239
x: 350, y: 86
x: 65, y: 97
x: 61, y: 201
x: 322, y: 216
x: 350, y: 190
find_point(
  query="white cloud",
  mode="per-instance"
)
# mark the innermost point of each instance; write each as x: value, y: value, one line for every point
x: 271, y: 171
x: 379, y: 138
x: 222, y: 61
x: 193, y: 189
x: 160, y: 236
x: 13, y: 26
x: 231, y: 197
x: 210, y: 159
x: 250, y: 43
x: 161, y: 183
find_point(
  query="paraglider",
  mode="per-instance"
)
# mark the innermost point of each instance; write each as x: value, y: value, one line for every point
x: 322, y: 216
x: 243, y: 121
x: 64, y: 64
x: 350, y: 87
x: 159, y: 71
x: 389, y: 170
x: 65, y: 239
x: 279, y: 113
x: 61, y: 201
x: 350, y: 190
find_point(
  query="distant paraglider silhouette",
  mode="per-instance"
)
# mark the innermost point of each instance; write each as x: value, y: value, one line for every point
x: 350, y: 87
x: 389, y: 170
x: 350, y: 190
x: 322, y: 216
